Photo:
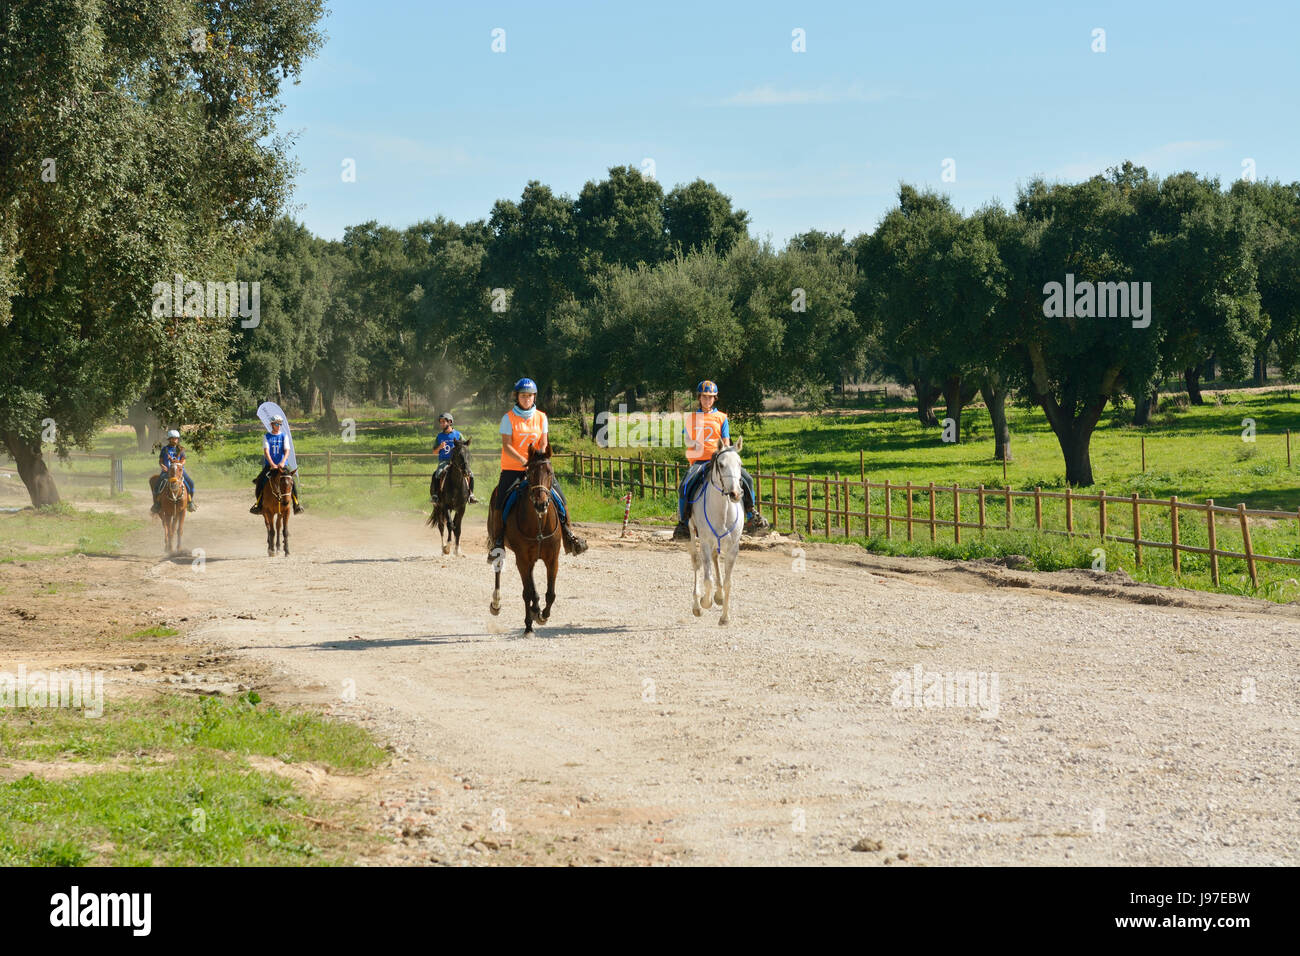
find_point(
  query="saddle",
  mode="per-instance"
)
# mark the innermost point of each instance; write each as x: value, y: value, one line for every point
x: 516, y: 489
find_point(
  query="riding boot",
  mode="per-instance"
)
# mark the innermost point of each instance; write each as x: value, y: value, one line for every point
x: 192, y: 506
x: 257, y: 504
x: 297, y: 505
x: 472, y: 499
x: 572, y: 543
x: 756, y: 523
x: 682, y: 532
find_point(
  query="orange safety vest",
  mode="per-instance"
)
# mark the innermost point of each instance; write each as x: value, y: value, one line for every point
x: 524, y: 434
x: 705, y: 429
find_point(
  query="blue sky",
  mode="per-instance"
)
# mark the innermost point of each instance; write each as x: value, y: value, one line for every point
x: 438, y: 123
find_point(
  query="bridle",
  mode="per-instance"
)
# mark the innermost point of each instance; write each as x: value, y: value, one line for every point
x: 713, y: 469
x: 276, y: 481
x: 175, y: 482
x: 541, y: 504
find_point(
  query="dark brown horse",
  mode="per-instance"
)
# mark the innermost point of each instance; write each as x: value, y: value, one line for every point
x: 450, y: 508
x: 277, y: 505
x: 172, y: 503
x: 533, y: 534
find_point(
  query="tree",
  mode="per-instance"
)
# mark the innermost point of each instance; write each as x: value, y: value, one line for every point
x: 1276, y: 253
x: 698, y: 216
x: 130, y: 151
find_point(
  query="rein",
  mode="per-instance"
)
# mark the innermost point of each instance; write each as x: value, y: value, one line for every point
x: 704, y: 489
x: 542, y: 517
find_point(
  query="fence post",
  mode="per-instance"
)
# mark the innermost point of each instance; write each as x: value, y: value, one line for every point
x: 1173, y: 521
x: 622, y: 482
x: 838, y: 509
x: 956, y: 513
x: 932, y: 511
x: 640, y: 457
x: 1288, y: 448
x: 862, y: 465
x: 791, y: 503
x: 329, y: 465
x: 889, y: 521
x: 1069, y: 512
x: 1144, y: 454
x: 1101, y: 504
x: 1214, y: 554
x: 775, y: 509
x: 390, y: 469
x: 866, y: 508
x: 1038, y: 507
x: 1007, y: 492
x: 909, y: 509
x: 1137, y: 530
x: 807, y: 488
x: 826, y: 505
x: 1245, y: 538
x: 981, y: 501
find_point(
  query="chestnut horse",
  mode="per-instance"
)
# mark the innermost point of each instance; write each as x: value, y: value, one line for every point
x: 277, y: 504
x: 532, y: 533
x: 172, y: 503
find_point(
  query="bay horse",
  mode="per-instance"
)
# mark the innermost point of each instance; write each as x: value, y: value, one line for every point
x: 450, y: 508
x: 716, y: 519
x: 277, y: 505
x: 533, y: 534
x: 173, y: 503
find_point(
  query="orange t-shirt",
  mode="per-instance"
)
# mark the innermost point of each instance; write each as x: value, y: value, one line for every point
x: 524, y: 434
x: 705, y: 429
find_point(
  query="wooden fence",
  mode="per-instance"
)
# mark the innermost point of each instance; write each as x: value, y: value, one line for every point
x: 391, y: 458
x: 911, y: 505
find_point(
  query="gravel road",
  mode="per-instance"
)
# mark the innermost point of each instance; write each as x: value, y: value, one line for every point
x: 1104, y: 729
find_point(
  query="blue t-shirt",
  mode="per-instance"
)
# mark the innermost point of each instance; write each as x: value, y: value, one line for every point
x: 445, y: 442
x: 169, y: 454
x: 275, y: 444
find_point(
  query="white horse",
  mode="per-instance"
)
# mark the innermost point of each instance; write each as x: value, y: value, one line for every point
x: 717, y: 519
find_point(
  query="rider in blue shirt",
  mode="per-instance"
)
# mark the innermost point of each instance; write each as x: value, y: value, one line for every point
x: 274, y: 454
x: 445, y: 442
x: 172, y: 451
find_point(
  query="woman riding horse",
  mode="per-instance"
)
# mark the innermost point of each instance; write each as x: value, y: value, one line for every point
x: 172, y: 451
x: 445, y: 443
x: 274, y: 455
x: 706, y: 431
x: 523, y: 428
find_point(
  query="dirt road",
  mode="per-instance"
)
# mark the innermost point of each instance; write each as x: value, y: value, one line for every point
x: 629, y: 731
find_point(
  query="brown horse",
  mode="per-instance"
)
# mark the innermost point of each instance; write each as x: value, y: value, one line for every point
x: 532, y: 533
x: 277, y: 504
x: 172, y: 503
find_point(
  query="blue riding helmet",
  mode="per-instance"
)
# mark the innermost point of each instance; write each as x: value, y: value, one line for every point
x: 706, y: 388
x: 526, y: 385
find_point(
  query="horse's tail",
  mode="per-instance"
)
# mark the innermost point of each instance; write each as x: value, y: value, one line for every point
x: 433, y: 517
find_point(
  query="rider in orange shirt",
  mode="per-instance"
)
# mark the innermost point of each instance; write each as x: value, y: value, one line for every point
x: 524, y: 427
x: 707, y: 430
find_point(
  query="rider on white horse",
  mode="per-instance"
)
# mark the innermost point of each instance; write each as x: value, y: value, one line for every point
x: 707, y: 430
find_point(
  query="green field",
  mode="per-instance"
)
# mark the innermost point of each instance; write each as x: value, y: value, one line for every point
x: 172, y: 785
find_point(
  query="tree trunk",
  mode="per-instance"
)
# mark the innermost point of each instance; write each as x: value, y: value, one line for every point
x: 996, y: 400
x: 583, y: 432
x: 329, y: 418
x: 1192, y: 377
x: 1075, y: 444
x: 1145, y: 406
x: 31, y: 468
x: 1261, y: 365
x: 953, y: 403
x: 926, y: 396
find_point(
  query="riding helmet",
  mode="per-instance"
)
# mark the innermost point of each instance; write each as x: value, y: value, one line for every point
x: 706, y: 388
x: 526, y: 385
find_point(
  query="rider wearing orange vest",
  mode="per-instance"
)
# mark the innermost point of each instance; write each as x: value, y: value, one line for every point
x: 706, y: 430
x: 523, y: 428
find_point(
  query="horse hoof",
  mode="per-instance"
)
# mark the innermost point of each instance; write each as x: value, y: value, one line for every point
x: 722, y: 620
x: 717, y: 597
x: 495, y: 609
x: 696, y: 611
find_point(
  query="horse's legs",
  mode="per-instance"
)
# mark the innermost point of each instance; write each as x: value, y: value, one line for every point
x: 444, y: 525
x: 495, y: 606
x: 270, y: 532
x: 530, y: 591
x: 284, y: 532
x: 695, y: 566
x: 717, y: 577
x: 460, y: 515
x: 730, y: 562
x: 180, y: 523
x: 552, y: 569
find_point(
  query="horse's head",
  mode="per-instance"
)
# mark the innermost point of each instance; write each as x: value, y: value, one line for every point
x: 459, y: 455
x: 175, y: 475
x: 283, y: 479
x: 540, y: 477
x: 726, y: 471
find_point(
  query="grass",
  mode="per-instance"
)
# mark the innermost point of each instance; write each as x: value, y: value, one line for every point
x: 58, y: 530
x: 181, y: 792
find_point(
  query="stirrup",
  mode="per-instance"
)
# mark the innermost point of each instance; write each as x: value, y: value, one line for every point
x: 256, y: 509
x: 192, y: 507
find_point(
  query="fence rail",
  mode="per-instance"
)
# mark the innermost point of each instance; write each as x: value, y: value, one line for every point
x: 838, y: 514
